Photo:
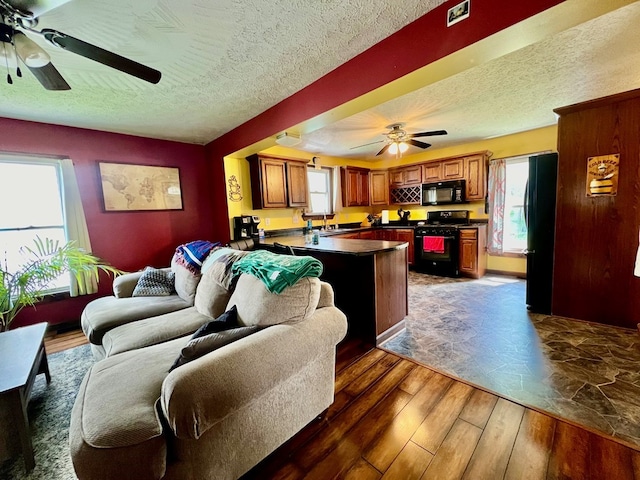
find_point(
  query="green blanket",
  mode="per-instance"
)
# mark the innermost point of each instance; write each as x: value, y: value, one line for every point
x: 277, y: 272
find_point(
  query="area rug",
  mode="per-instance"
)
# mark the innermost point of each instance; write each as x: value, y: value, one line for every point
x: 480, y: 331
x: 49, y: 414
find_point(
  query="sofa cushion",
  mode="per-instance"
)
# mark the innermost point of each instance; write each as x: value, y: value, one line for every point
x: 154, y: 282
x: 152, y: 331
x: 120, y: 395
x: 103, y: 314
x: 211, y: 298
x: 257, y: 306
x: 202, y: 345
x: 185, y: 282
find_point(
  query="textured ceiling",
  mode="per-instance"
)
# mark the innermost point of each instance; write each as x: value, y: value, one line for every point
x: 222, y: 62
x: 513, y: 93
x: 225, y: 62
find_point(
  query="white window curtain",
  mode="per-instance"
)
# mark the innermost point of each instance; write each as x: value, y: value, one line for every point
x: 337, y: 191
x: 496, y: 185
x: 76, y: 225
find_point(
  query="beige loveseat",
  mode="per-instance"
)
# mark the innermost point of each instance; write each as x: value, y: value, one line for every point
x: 220, y: 414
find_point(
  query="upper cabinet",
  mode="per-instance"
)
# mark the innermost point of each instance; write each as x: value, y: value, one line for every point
x: 476, y: 168
x: 432, y: 172
x: 379, y: 187
x: 278, y: 182
x: 453, y: 169
x: 400, y: 177
x: 297, y: 184
x: 355, y: 186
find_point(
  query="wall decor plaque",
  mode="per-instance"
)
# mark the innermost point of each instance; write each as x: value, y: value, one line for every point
x: 130, y: 187
x: 602, y: 175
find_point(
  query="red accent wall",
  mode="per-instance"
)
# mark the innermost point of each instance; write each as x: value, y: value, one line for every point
x: 128, y: 240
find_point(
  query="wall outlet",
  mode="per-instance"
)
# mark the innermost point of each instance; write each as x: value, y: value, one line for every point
x: 296, y: 219
x: 267, y: 221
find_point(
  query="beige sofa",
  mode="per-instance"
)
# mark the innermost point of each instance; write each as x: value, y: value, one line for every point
x: 218, y: 415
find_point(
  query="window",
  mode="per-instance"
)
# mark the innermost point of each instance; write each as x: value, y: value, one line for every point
x: 507, y: 185
x: 32, y: 205
x: 320, y: 197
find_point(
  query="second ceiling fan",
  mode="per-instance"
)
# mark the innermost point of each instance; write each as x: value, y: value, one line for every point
x: 398, y: 140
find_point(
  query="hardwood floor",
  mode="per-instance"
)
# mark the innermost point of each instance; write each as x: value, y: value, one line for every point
x: 57, y: 341
x: 395, y: 419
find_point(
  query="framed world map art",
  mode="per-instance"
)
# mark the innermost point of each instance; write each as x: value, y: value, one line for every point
x: 129, y: 187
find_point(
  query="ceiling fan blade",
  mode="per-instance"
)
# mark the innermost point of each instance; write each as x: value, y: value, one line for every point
x: 428, y: 134
x: 366, y: 144
x: 384, y: 149
x: 416, y: 143
x: 49, y: 77
x: 92, y: 52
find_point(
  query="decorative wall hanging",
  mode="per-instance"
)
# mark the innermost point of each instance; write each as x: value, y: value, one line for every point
x: 602, y: 175
x: 458, y: 13
x: 234, y: 189
x: 130, y: 187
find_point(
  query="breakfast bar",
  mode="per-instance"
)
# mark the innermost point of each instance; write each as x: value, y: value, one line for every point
x: 369, y: 279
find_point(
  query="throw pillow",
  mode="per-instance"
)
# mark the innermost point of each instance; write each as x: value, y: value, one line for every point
x: 226, y: 321
x: 200, y: 346
x: 154, y: 282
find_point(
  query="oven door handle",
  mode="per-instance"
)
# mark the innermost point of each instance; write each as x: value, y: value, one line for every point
x: 446, y: 238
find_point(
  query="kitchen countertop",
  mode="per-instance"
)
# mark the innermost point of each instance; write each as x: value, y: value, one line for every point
x: 336, y: 245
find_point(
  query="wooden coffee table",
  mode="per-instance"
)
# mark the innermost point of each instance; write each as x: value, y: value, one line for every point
x: 22, y: 357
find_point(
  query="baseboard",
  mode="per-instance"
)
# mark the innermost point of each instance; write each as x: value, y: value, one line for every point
x: 509, y: 274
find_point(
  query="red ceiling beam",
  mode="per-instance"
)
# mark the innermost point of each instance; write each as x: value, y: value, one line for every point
x: 420, y: 43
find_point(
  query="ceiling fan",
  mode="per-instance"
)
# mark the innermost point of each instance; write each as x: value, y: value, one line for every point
x: 15, y: 44
x: 398, y: 140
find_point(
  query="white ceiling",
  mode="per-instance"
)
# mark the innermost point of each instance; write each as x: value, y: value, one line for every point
x: 222, y: 62
x: 227, y: 61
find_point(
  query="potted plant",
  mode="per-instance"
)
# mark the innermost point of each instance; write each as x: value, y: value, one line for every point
x: 46, y: 261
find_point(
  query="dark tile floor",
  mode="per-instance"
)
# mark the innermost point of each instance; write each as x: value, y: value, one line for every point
x: 480, y: 331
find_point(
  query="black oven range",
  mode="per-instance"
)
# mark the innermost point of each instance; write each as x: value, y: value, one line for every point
x: 437, y: 243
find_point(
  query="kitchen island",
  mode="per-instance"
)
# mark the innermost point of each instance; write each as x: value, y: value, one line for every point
x: 369, y: 279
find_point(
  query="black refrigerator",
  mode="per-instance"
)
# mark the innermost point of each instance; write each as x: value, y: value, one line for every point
x: 540, y: 217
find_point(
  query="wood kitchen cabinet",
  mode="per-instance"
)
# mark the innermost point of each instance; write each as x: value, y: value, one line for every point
x: 399, y: 235
x: 379, y: 187
x: 278, y: 182
x: 473, y: 258
x: 453, y: 169
x: 476, y: 168
x: 355, y: 186
x: 401, y: 177
x: 432, y: 172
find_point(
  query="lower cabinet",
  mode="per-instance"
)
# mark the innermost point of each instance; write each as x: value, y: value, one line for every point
x: 398, y: 235
x: 473, y: 258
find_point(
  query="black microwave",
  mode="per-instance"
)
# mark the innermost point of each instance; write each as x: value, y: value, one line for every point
x: 442, y: 193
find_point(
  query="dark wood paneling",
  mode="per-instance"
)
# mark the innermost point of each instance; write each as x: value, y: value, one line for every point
x: 597, y: 237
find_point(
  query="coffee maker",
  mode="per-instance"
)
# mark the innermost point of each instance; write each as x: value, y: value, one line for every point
x: 245, y: 226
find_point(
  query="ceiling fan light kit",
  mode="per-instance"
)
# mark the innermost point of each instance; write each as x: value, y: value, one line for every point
x: 29, y: 51
x: 396, y: 147
x: 287, y: 139
x: 398, y: 140
x: 14, y: 22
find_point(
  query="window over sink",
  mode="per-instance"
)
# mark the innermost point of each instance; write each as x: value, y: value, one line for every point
x: 320, y: 191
